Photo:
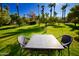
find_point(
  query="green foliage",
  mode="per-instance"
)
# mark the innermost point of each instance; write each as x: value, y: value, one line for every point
x: 73, y: 16
x: 4, y: 17
x: 14, y: 18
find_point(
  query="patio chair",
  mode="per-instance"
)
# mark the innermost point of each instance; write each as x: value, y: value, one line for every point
x: 66, y: 41
x: 22, y: 43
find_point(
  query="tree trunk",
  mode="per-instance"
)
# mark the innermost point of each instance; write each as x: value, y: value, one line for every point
x: 62, y: 14
x: 54, y: 12
x: 51, y: 12
x: 75, y: 24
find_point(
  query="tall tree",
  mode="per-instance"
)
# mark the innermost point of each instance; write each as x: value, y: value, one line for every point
x: 63, y: 8
x: 55, y: 13
x: 73, y: 15
x: 38, y: 13
x: 42, y: 11
x: 7, y: 8
x: 38, y: 9
x: 50, y: 6
x: 54, y: 5
x: 46, y: 18
x: 17, y: 8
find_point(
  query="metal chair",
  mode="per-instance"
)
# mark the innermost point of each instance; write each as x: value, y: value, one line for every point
x: 66, y: 41
x: 22, y: 43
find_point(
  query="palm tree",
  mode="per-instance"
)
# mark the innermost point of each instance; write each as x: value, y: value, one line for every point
x: 38, y: 9
x: 55, y: 13
x: 42, y: 11
x: 38, y: 14
x: 7, y: 8
x: 17, y: 8
x: 54, y: 5
x: 64, y: 11
x: 50, y: 6
x: 46, y: 16
x: 46, y: 21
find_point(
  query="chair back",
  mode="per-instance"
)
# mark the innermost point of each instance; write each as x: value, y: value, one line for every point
x: 21, y: 40
x: 66, y: 39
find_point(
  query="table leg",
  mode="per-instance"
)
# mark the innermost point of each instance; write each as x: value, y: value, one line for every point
x: 36, y: 54
x: 59, y: 52
x: 51, y: 52
x: 31, y: 52
x: 48, y: 52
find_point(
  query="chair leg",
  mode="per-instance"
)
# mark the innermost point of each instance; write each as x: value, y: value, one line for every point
x: 36, y: 52
x: 68, y: 51
x: 20, y: 51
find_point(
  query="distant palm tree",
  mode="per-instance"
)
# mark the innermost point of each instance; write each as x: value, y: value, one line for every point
x: 38, y: 13
x: 7, y: 8
x: 50, y: 6
x: 38, y: 9
x: 46, y: 16
x: 64, y: 11
x: 55, y: 13
x: 42, y: 11
x: 17, y: 7
x: 54, y: 5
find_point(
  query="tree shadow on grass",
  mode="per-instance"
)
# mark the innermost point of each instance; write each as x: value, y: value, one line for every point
x: 73, y: 27
x: 21, y: 31
x: 5, y: 35
x: 14, y: 49
x: 58, y: 26
x: 76, y: 38
x: 3, y: 52
x: 13, y: 27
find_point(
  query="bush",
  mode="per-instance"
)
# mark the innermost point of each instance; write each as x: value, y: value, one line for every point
x: 32, y: 23
x: 5, y: 18
x: 76, y: 38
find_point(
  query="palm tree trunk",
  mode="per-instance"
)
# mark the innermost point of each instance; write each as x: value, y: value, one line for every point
x: 17, y: 9
x: 7, y: 8
x: 38, y: 15
x: 62, y: 14
x: 54, y: 11
x: 51, y: 12
x: 75, y: 24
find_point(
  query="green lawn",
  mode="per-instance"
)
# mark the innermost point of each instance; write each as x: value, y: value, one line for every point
x: 9, y: 34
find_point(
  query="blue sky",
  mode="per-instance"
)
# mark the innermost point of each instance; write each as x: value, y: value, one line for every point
x: 25, y: 8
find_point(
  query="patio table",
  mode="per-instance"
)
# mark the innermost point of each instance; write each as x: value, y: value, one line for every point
x: 44, y: 42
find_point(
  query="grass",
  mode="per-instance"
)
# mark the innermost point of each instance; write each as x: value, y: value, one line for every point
x: 9, y: 34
